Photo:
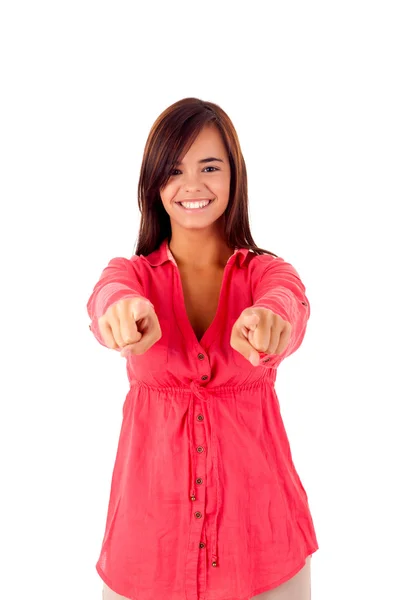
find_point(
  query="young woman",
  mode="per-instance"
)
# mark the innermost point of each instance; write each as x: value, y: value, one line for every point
x: 205, y: 500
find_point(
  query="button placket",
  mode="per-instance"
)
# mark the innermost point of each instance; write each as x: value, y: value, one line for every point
x: 198, y: 514
x: 214, y: 457
x: 200, y: 419
x: 200, y: 450
x: 197, y: 564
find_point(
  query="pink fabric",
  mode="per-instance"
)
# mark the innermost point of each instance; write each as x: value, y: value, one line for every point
x: 205, y: 500
x: 297, y: 587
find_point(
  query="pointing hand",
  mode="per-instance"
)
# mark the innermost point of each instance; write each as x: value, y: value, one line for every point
x: 259, y: 330
x: 130, y: 325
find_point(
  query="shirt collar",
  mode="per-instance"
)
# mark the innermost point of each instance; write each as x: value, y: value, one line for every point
x: 163, y: 253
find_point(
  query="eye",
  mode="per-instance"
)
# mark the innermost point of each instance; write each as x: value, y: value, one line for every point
x: 172, y: 173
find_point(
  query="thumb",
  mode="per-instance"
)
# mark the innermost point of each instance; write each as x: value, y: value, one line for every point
x: 141, y: 308
x: 244, y: 338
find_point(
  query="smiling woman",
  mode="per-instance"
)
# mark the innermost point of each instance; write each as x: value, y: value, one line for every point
x: 205, y: 499
x: 195, y: 196
x: 192, y: 153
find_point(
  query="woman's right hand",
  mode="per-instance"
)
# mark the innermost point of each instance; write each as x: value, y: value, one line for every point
x: 130, y: 325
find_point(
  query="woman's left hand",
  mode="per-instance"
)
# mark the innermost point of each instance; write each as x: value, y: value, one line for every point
x: 259, y: 330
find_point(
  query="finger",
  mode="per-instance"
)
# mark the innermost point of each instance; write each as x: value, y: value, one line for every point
x: 275, y: 335
x: 262, y: 334
x: 114, y: 322
x: 141, y: 308
x: 240, y: 343
x: 284, y: 339
x: 129, y: 330
x: 135, y: 315
x: 107, y: 334
x: 129, y: 348
x: 150, y: 334
x: 250, y: 322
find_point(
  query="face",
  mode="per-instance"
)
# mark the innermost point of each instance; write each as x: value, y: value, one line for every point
x: 199, y: 178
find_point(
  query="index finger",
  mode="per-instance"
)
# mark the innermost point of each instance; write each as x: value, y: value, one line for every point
x: 130, y: 313
x: 243, y: 346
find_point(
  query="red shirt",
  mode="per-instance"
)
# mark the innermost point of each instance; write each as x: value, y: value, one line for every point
x: 205, y: 501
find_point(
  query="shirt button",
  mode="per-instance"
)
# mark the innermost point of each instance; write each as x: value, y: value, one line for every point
x: 202, y: 545
x: 199, y: 480
x: 200, y: 449
x: 200, y: 418
x: 204, y: 377
x: 200, y: 356
x: 198, y: 515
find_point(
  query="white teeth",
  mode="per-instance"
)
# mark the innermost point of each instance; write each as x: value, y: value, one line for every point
x: 195, y: 204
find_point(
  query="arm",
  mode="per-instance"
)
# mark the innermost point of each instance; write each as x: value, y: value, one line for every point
x: 118, y: 280
x: 278, y: 287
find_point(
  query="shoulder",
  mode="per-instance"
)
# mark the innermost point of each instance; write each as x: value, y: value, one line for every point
x: 125, y: 263
x: 135, y: 260
x: 136, y: 264
x: 120, y: 265
x: 261, y: 262
x: 266, y: 264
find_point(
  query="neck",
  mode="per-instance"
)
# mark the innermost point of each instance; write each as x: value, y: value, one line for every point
x: 200, y: 254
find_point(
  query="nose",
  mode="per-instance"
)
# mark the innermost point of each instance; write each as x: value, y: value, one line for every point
x: 191, y: 183
x: 192, y: 189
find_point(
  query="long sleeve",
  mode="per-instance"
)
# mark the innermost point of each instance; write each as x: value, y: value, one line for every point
x: 118, y: 280
x: 278, y: 287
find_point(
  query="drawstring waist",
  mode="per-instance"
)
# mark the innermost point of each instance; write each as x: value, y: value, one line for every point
x: 212, y: 445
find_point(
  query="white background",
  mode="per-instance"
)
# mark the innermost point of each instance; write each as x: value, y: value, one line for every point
x: 313, y: 91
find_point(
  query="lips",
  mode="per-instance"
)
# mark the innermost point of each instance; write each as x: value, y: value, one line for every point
x: 196, y: 210
x: 195, y: 200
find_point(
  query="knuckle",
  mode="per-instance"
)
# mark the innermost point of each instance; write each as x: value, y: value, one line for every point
x: 118, y: 307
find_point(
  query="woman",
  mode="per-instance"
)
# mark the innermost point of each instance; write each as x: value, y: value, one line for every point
x: 205, y: 500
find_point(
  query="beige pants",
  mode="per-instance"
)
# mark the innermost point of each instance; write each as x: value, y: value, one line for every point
x: 296, y: 588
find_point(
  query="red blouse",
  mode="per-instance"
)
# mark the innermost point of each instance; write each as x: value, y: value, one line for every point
x: 205, y: 501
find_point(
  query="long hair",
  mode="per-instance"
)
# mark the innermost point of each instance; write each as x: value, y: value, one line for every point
x: 169, y: 139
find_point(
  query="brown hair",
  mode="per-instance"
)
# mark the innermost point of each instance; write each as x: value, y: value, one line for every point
x: 170, y: 137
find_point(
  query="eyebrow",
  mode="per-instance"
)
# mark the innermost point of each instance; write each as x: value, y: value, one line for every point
x: 205, y: 160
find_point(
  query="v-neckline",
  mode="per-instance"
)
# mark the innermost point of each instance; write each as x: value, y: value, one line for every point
x: 183, y: 310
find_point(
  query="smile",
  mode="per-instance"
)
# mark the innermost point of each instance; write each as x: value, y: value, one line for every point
x: 195, y: 206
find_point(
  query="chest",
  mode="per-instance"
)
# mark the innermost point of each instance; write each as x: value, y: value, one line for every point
x: 201, y: 293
